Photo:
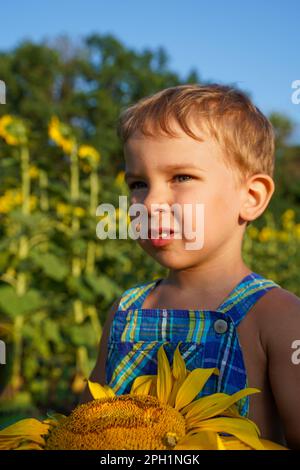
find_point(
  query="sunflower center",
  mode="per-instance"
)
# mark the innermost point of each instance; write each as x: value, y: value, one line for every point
x: 121, y: 422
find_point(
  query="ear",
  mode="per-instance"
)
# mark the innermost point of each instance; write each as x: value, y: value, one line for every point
x: 258, y: 192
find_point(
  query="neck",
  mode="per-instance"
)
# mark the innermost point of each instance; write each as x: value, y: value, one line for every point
x: 209, y: 283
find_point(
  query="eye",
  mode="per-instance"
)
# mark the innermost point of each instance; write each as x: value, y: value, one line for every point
x: 134, y: 185
x: 184, y: 177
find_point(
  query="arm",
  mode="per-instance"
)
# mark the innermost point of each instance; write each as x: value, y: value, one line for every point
x: 281, y: 330
x: 98, y: 373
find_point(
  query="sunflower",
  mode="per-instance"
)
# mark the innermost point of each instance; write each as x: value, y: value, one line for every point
x: 13, y: 130
x: 159, y: 413
x: 61, y: 134
x: 90, y: 154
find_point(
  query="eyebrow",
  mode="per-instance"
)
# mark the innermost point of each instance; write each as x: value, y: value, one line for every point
x: 166, y: 168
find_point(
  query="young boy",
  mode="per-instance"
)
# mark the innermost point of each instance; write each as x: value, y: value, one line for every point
x: 206, y: 145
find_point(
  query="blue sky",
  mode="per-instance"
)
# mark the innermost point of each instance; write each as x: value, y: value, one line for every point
x: 254, y: 44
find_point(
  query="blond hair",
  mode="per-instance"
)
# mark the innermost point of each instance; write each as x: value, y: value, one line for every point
x: 225, y: 113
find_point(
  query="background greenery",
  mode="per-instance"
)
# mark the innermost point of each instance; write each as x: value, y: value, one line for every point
x: 57, y: 280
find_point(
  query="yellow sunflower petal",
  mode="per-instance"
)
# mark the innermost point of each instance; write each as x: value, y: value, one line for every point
x: 214, y: 398
x: 192, y: 385
x: 231, y: 412
x: 100, y: 391
x: 26, y: 430
x: 109, y: 391
x: 175, y: 387
x: 153, y: 387
x: 232, y: 443
x: 141, y: 385
x: 206, y: 440
x: 164, y: 376
x: 215, y: 404
x: 270, y: 445
x: 243, y: 429
x: 11, y: 443
x: 25, y: 427
x: 14, y: 441
x: 26, y: 445
x: 179, y: 368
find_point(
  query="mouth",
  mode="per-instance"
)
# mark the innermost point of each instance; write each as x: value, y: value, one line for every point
x: 160, y: 233
x: 161, y: 237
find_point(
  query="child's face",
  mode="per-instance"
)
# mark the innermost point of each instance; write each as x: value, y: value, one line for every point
x: 208, y: 181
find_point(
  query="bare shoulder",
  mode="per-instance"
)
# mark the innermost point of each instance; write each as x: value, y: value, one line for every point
x: 112, y: 310
x: 279, y: 302
x: 108, y: 321
x: 280, y: 336
x: 279, y: 315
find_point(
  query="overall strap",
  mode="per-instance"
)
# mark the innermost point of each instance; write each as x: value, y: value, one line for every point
x: 133, y: 298
x: 245, y: 295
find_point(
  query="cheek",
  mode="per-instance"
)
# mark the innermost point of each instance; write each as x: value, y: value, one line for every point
x: 222, y: 210
x: 194, y: 205
x: 219, y: 208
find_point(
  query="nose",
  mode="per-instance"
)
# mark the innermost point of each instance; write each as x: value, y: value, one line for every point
x: 157, y: 203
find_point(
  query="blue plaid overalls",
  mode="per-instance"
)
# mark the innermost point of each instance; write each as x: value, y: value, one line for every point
x: 208, y: 338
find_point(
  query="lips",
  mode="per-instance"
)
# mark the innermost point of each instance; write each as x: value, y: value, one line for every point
x: 161, y: 232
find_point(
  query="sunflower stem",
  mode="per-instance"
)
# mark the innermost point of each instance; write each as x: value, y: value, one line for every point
x: 25, y: 180
x: 43, y: 183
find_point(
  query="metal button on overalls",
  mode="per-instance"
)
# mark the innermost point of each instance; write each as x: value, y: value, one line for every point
x: 220, y: 326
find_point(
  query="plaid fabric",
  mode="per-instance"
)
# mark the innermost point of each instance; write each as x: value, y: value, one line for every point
x: 136, y: 335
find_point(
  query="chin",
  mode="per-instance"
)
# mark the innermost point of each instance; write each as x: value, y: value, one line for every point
x: 172, y: 260
x: 173, y: 257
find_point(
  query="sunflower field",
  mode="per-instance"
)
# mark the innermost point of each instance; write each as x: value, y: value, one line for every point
x: 59, y: 159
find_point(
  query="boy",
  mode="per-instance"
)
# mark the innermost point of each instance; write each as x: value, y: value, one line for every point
x: 210, y: 145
